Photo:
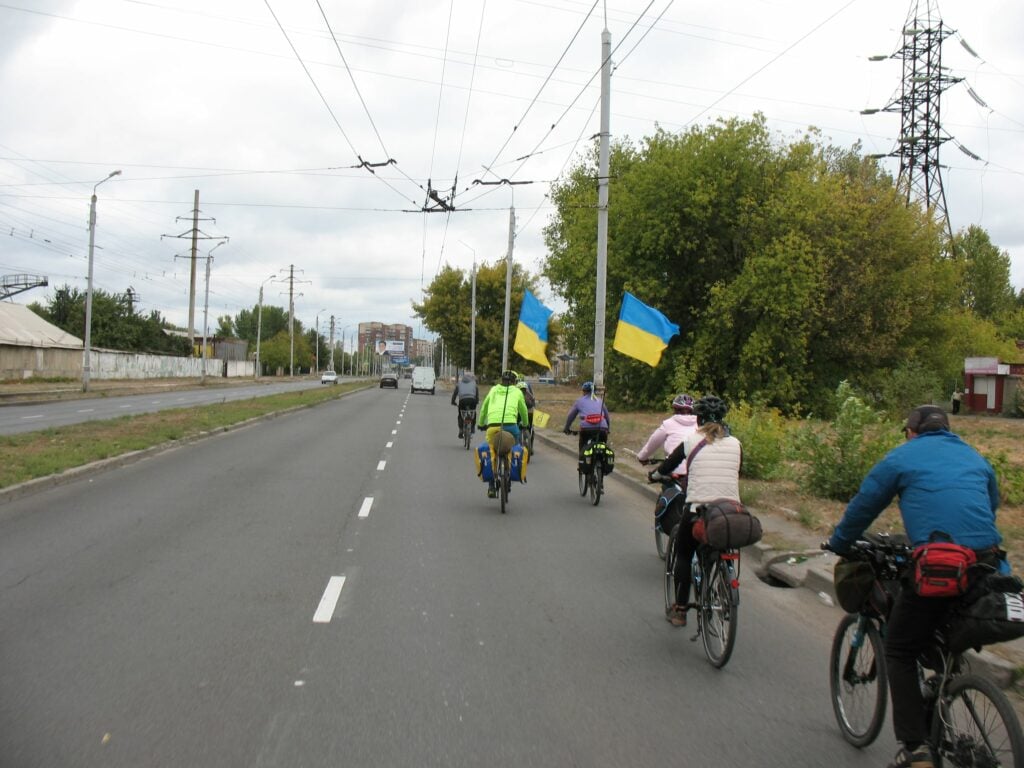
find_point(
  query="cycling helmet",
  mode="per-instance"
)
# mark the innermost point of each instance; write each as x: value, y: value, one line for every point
x: 522, y: 384
x: 682, y: 403
x: 710, y: 408
x: 588, y: 386
x: 508, y: 378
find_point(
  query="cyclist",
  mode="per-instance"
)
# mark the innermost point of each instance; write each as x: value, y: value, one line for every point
x: 503, y: 409
x: 713, y: 457
x: 943, y: 485
x: 594, y: 419
x: 465, y: 396
x: 531, y: 401
x: 673, y: 430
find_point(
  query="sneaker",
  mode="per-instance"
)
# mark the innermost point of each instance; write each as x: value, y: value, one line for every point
x: 461, y: 435
x: 492, y: 493
x: 676, y: 616
x: 919, y: 758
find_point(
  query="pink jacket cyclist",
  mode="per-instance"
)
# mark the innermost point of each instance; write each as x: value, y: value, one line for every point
x: 672, y: 431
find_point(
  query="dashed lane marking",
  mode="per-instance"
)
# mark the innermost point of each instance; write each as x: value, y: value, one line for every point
x: 381, y: 465
x: 329, y: 601
x: 364, y: 511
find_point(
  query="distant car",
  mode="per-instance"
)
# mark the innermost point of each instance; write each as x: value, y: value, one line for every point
x: 329, y: 377
x: 389, y: 380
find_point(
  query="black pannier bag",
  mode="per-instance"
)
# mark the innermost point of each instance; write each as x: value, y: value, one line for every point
x: 991, y: 612
x: 726, y: 524
x: 853, y: 581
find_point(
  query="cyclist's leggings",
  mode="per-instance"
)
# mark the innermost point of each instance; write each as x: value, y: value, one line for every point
x: 467, y: 404
x: 597, y: 435
x: 685, y: 545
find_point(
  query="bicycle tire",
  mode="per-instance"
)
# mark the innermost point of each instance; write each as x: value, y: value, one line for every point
x: 719, y: 613
x: 976, y: 726
x: 584, y: 478
x: 596, y: 485
x: 670, y: 566
x: 503, y: 481
x: 467, y: 437
x: 857, y: 680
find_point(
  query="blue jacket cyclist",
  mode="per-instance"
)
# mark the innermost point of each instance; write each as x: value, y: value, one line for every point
x: 594, y: 418
x: 946, y: 486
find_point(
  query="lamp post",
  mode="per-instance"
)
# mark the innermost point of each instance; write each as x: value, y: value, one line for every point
x: 472, y: 316
x: 86, y: 353
x: 343, y: 351
x: 259, y: 327
x: 317, y: 340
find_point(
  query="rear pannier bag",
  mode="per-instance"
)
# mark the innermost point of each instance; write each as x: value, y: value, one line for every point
x: 726, y: 524
x: 941, y: 568
x: 992, y: 612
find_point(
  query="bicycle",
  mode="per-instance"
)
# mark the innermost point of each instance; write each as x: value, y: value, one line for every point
x: 971, y: 721
x: 468, y: 417
x: 716, y: 589
x: 503, y: 467
x: 526, y: 439
x: 669, y: 486
x: 592, y: 478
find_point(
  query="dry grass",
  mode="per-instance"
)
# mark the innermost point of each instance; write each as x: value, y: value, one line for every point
x: 990, y: 435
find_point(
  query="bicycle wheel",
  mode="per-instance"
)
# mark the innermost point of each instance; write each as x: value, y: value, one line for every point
x: 503, y: 481
x: 530, y: 435
x: 719, y: 612
x: 670, y: 566
x: 857, y: 680
x: 596, y: 484
x: 976, y: 726
x: 584, y: 481
x: 467, y: 435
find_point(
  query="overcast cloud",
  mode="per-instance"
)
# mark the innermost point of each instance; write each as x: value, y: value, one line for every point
x: 210, y: 95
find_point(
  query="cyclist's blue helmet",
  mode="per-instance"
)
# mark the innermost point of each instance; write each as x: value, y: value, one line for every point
x: 588, y: 387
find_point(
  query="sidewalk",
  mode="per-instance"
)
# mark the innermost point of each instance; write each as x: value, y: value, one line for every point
x: 790, y: 556
x: 41, y: 392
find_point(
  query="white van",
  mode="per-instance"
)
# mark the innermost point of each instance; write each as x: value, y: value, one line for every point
x: 422, y: 379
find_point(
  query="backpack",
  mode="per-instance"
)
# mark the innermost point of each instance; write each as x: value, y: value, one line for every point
x: 726, y: 524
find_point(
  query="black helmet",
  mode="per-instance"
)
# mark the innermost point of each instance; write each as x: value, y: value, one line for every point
x: 508, y: 378
x: 710, y: 408
x: 682, y: 403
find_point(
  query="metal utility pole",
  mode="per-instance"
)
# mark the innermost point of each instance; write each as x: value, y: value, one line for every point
x: 332, y: 344
x: 472, y: 324
x: 87, y: 350
x: 919, y: 103
x: 195, y: 235
x: 508, y: 285
x: 602, y: 208
x: 259, y: 327
x: 291, y: 319
x: 206, y: 306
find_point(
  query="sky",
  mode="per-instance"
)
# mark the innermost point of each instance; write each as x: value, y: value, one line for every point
x: 314, y: 130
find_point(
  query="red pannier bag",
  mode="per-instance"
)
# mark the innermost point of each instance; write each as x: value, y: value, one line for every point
x: 941, y: 568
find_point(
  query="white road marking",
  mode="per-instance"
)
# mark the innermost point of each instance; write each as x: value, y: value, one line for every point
x: 124, y: 406
x: 389, y: 444
x: 86, y: 410
x: 381, y: 465
x: 26, y: 418
x: 398, y: 422
x: 155, y: 402
x: 364, y: 511
x: 325, y: 610
x: 394, y: 431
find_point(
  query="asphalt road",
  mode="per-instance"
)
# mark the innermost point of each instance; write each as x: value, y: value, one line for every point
x: 30, y: 417
x: 333, y: 588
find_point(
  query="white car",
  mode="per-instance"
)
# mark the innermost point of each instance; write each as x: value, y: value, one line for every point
x: 329, y: 377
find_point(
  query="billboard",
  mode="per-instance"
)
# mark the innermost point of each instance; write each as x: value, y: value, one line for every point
x: 390, y: 347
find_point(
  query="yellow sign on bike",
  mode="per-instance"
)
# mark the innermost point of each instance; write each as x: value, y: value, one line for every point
x: 540, y: 419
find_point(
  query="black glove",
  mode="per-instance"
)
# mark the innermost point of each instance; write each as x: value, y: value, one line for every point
x: 654, y: 476
x: 567, y: 431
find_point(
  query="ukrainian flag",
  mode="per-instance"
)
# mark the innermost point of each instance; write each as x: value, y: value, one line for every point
x: 643, y: 332
x: 532, y: 333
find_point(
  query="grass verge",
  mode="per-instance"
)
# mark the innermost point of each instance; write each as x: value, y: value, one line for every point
x: 38, y: 454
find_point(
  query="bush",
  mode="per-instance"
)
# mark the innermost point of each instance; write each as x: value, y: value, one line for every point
x: 1010, y: 477
x: 899, y: 390
x: 763, y: 433
x: 838, y: 455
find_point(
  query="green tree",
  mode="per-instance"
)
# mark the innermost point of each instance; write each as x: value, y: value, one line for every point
x: 446, y: 306
x: 274, y: 320
x: 225, y: 327
x: 986, y: 273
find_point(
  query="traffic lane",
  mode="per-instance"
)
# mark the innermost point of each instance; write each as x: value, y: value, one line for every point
x: 169, y: 604
x: 538, y: 637
x: 16, y: 418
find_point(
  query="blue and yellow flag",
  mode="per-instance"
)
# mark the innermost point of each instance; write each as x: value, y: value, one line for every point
x: 643, y: 332
x: 532, y: 333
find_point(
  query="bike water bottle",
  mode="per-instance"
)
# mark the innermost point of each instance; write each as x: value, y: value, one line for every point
x: 695, y: 569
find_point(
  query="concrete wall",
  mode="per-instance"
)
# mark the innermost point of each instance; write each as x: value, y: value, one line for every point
x: 18, y: 362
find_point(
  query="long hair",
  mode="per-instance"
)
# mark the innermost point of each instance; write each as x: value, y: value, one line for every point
x: 712, y: 430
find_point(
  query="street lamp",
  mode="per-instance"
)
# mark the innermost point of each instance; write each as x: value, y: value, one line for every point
x: 351, y: 369
x: 472, y: 316
x: 86, y: 353
x: 317, y: 337
x: 259, y: 327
